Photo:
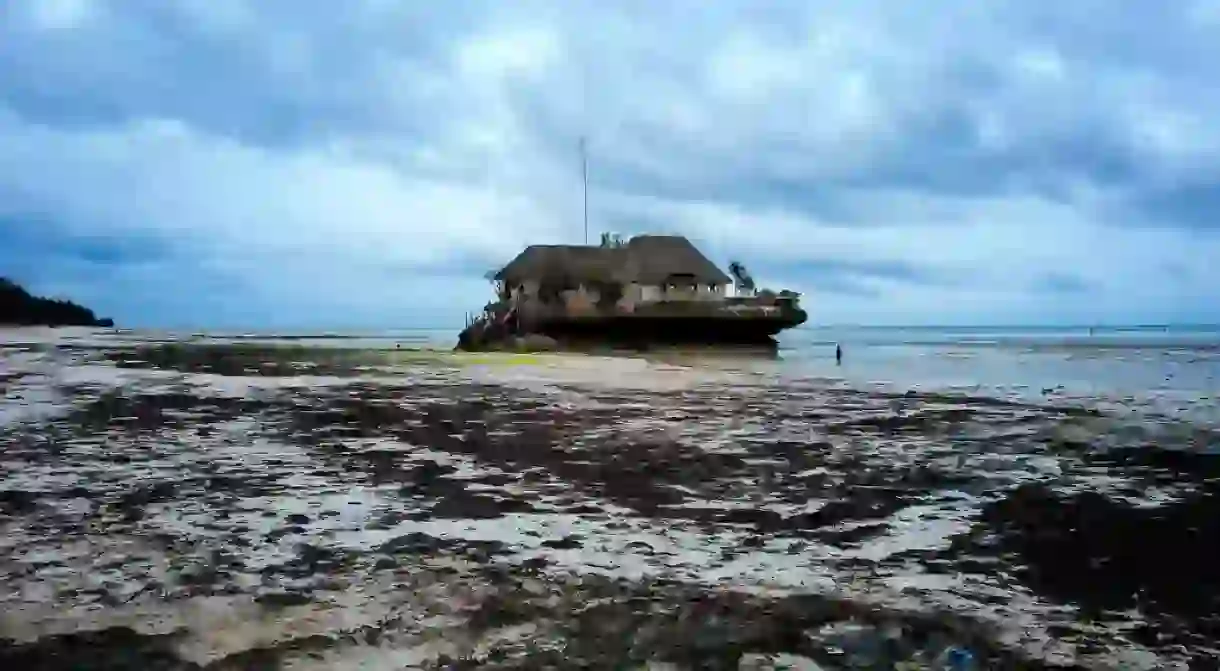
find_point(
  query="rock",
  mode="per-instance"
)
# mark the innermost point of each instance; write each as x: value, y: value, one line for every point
x: 412, y: 543
x: 535, y: 342
x: 18, y: 501
x: 283, y: 599
x: 385, y: 563
x: 569, y: 542
x: 198, y: 574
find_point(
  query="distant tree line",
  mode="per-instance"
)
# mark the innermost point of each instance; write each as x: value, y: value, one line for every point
x: 18, y: 306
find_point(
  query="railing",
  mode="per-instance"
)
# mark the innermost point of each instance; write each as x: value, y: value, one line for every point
x: 700, y: 308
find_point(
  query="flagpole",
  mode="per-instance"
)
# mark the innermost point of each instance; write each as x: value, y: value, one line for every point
x: 584, y: 177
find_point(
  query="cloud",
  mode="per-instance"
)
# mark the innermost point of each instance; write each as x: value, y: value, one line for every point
x: 1061, y: 283
x: 296, y: 163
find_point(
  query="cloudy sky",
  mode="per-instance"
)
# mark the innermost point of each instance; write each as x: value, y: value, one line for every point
x: 312, y: 164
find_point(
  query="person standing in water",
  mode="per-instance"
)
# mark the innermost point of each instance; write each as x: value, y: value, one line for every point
x: 838, y: 355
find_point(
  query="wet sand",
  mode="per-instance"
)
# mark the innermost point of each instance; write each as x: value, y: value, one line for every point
x: 237, y: 505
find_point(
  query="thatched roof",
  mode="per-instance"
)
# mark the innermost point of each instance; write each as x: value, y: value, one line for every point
x: 653, y: 258
x: 649, y: 259
x: 576, y: 261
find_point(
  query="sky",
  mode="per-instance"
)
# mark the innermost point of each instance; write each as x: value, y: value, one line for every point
x: 359, y: 164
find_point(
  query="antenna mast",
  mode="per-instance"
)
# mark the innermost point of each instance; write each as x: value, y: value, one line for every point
x: 584, y: 177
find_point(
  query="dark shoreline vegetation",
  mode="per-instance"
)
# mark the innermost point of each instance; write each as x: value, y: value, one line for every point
x: 506, y: 518
x: 19, y: 307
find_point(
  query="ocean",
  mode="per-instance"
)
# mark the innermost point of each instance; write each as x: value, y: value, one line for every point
x: 943, y: 498
x: 1080, y: 361
x: 1170, y: 369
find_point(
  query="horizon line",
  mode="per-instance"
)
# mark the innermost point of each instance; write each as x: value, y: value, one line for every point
x: 373, y: 329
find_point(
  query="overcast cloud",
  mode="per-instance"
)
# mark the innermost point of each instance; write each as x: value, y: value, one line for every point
x: 306, y: 163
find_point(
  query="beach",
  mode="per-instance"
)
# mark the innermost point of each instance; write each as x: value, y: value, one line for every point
x: 255, y: 501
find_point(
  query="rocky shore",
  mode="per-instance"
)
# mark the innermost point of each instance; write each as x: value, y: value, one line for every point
x: 185, y: 506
